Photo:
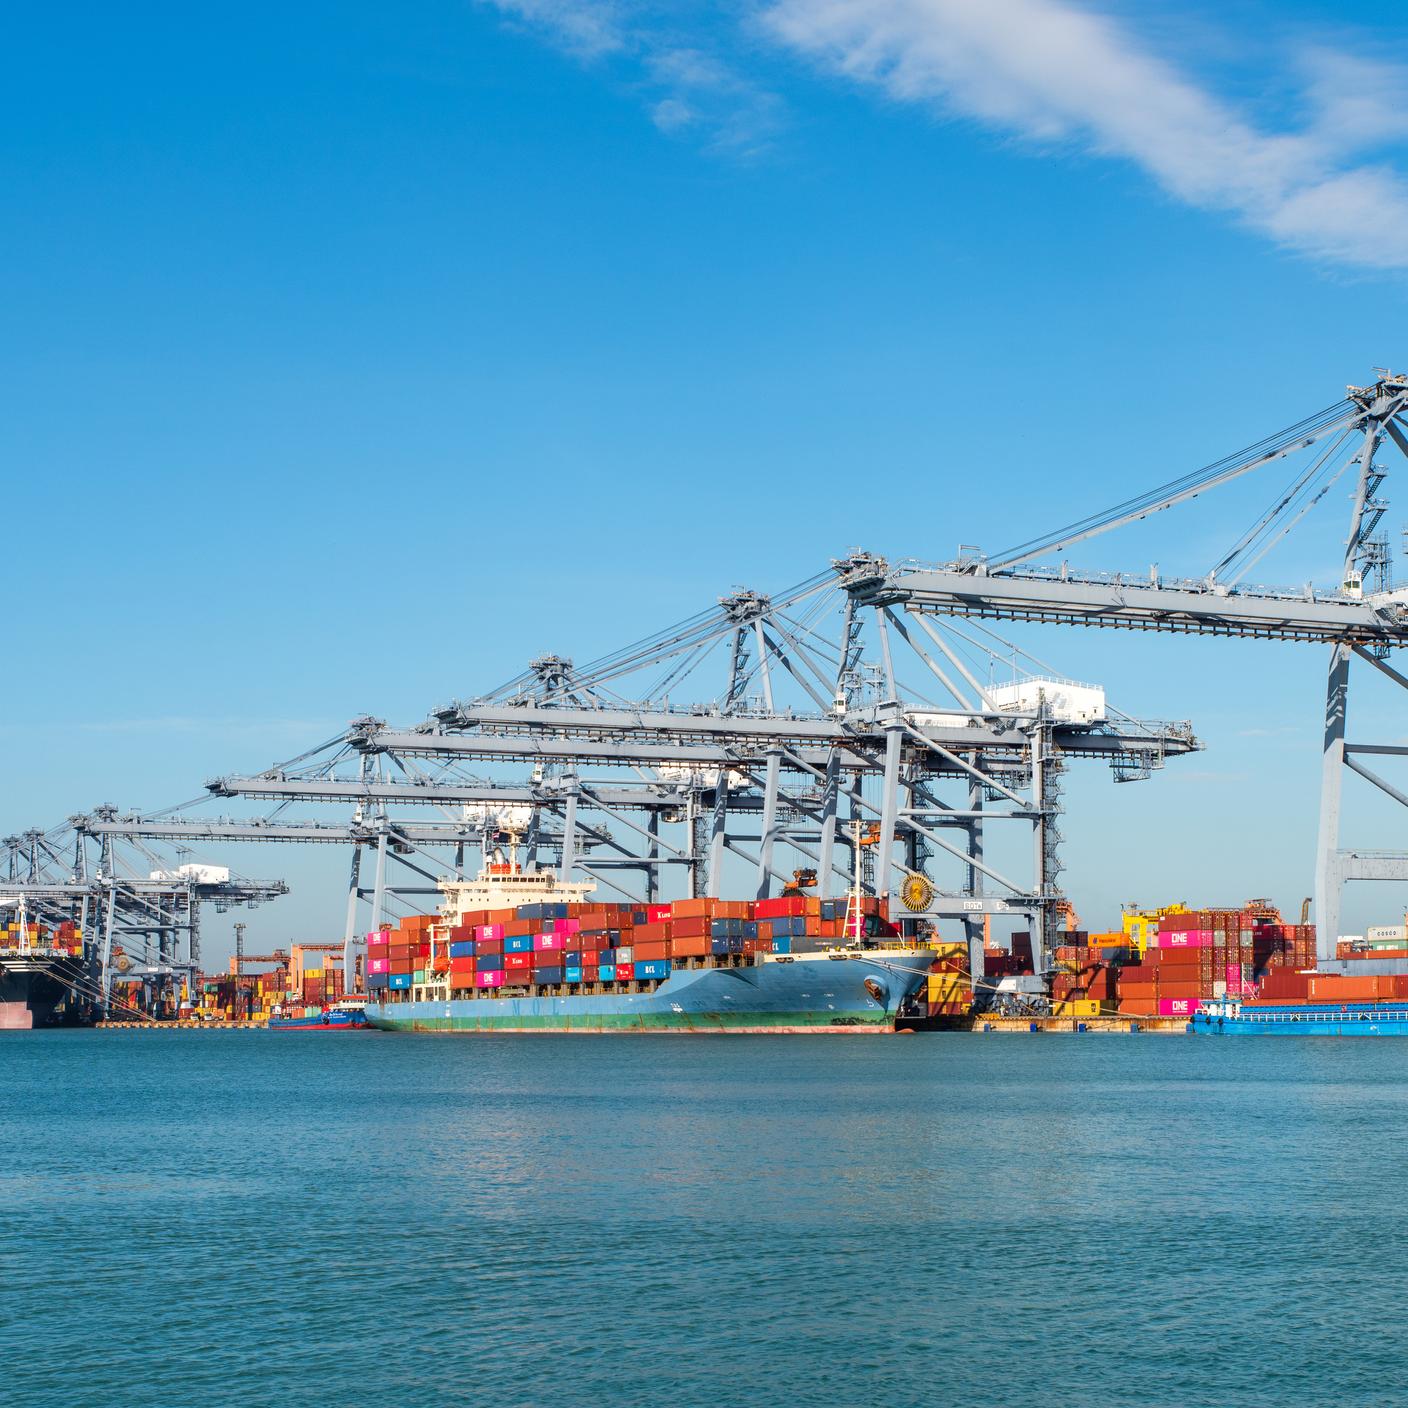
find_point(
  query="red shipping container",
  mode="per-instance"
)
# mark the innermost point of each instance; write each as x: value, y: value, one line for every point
x: 657, y: 913
x: 518, y: 960
x: 688, y: 928
x: 790, y: 907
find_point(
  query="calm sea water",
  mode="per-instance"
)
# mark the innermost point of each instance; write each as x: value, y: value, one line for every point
x: 210, y: 1218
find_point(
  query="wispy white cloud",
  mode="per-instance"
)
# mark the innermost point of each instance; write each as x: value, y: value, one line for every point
x: 1054, y: 71
x: 1359, y: 103
x: 689, y: 87
x: 587, y: 28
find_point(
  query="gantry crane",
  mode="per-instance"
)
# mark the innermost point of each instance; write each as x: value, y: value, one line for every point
x: 1360, y: 617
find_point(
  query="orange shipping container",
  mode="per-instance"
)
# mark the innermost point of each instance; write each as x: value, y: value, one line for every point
x: 693, y: 909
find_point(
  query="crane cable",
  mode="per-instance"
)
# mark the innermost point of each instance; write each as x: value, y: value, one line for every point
x: 1285, y: 504
x: 1273, y: 445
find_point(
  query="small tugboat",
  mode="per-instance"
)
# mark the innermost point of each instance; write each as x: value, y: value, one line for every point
x: 347, y: 1015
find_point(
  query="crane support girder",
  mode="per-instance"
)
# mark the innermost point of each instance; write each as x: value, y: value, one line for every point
x: 1132, y: 604
x: 862, y: 754
x: 428, y: 794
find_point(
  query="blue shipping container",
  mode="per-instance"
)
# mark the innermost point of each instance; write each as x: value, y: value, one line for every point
x: 548, y: 975
x: 399, y: 981
x: 719, y: 947
x: 463, y: 949
x: 750, y: 928
x: 607, y: 955
x: 376, y: 981
x: 529, y: 911
x: 653, y: 968
x: 574, y: 974
x: 726, y: 929
x: 782, y: 945
x: 520, y: 943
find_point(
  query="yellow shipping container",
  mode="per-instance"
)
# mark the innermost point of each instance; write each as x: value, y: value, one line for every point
x: 949, y: 987
x: 1076, y: 1007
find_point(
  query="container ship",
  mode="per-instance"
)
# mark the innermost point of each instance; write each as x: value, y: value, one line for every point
x: 520, y: 951
x: 41, y: 970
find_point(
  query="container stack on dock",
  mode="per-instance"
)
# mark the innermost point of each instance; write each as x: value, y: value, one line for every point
x: 1168, y: 963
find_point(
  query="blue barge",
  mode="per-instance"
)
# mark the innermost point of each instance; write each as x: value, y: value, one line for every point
x: 1301, y: 1019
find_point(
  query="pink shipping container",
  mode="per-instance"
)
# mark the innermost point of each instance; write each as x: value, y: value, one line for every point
x: 544, y: 943
x: 1238, y: 983
x: 378, y: 965
x: 1183, y: 938
x: 489, y: 980
x: 378, y: 938
x: 1179, y: 1006
x: 566, y: 926
x: 488, y: 931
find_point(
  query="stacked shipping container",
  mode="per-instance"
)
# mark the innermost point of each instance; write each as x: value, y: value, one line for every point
x: 549, y: 945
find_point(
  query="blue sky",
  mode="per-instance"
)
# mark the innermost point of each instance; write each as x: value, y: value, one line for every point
x: 355, y: 354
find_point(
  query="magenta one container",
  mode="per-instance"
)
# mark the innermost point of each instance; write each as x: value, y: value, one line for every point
x: 545, y: 943
x: 1179, y: 1006
x: 1184, y: 938
x: 489, y: 980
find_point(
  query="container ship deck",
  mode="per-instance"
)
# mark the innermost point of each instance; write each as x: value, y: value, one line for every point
x: 521, y: 952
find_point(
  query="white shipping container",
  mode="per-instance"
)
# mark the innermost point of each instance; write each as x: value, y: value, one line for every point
x: 1068, y: 701
x: 201, y: 874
